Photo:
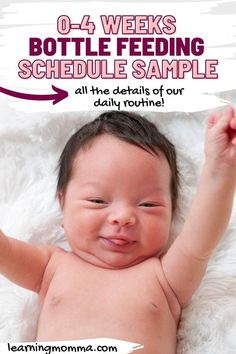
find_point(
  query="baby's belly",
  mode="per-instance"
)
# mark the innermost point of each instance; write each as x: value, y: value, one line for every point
x: 127, y: 305
x: 139, y: 321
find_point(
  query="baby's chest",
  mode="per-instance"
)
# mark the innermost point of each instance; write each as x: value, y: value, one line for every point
x: 99, y: 292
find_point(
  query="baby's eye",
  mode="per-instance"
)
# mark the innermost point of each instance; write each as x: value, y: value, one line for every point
x: 97, y: 201
x: 149, y: 205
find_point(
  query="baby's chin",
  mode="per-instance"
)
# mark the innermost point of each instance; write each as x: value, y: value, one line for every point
x: 113, y: 261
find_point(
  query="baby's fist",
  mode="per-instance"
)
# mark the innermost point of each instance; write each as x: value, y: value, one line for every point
x: 221, y: 138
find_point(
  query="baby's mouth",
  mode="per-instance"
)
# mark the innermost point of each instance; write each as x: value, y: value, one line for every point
x: 116, y: 242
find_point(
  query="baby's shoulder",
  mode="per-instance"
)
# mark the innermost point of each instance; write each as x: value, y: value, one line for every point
x: 152, y: 264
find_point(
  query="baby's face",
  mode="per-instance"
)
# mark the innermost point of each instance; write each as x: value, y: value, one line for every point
x: 117, y: 205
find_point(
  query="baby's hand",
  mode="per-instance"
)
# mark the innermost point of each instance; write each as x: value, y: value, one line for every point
x: 220, y: 145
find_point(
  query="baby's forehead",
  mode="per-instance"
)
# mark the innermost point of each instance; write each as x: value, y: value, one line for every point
x: 108, y: 148
x: 106, y: 142
x: 108, y: 139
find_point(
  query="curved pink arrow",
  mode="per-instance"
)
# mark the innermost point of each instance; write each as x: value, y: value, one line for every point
x: 56, y: 97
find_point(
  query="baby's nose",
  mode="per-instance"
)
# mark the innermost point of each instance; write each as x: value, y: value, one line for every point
x: 123, y: 217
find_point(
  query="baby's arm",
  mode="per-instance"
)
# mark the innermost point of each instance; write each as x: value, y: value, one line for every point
x: 23, y: 263
x: 185, y: 262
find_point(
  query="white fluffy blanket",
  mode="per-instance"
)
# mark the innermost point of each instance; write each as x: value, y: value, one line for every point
x: 30, y: 147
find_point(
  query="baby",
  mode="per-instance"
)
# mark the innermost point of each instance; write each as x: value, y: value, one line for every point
x: 117, y: 188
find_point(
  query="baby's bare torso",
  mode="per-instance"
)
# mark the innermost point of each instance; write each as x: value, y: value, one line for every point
x: 82, y: 301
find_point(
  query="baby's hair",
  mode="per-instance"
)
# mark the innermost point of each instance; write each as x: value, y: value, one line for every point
x: 127, y: 126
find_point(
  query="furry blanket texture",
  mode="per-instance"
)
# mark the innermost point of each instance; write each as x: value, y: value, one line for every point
x: 30, y: 147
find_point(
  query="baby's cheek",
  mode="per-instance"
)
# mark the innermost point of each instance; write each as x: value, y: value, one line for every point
x: 163, y: 230
x: 162, y: 237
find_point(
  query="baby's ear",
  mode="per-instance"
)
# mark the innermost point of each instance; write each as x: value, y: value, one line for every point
x: 60, y: 198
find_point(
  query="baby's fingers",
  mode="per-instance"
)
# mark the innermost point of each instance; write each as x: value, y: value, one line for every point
x: 220, y: 121
x: 233, y: 123
x: 231, y: 131
x: 213, y: 119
